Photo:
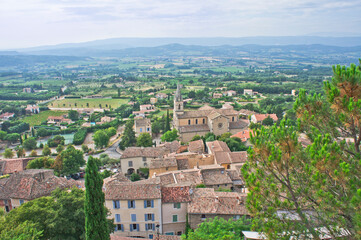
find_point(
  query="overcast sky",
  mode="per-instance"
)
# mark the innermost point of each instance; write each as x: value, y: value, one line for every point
x: 25, y: 23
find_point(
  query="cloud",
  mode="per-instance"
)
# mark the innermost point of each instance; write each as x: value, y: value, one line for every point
x: 35, y: 22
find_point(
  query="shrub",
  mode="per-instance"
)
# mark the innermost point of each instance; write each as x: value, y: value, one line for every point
x: 80, y: 136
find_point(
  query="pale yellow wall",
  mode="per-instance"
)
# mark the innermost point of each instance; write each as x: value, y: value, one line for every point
x: 168, y: 211
x: 140, y: 211
x: 184, y: 122
x: 219, y: 131
x: 200, y: 160
x: 187, y: 137
x: 137, y: 163
x: 16, y: 202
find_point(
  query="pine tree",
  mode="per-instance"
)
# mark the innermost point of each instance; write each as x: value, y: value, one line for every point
x: 96, y: 225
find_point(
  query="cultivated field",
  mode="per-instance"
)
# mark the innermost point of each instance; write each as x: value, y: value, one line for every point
x: 88, y: 103
x: 36, y: 119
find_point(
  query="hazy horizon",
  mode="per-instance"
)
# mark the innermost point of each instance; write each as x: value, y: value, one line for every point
x: 29, y: 23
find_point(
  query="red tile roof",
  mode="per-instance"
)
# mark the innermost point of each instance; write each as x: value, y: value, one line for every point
x: 261, y: 117
x: 217, y: 146
x: 196, y: 146
x: 132, y: 190
x: 175, y: 194
x: 13, y: 165
x: 244, y: 135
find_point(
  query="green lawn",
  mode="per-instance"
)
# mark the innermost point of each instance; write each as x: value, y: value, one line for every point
x: 36, y: 119
x: 88, y: 103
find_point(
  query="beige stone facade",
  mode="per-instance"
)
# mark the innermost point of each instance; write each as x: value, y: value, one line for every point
x: 204, y: 120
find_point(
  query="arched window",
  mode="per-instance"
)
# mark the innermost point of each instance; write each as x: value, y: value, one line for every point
x: 179, y: 107
x: 189, y: 122
x: 196, y: 121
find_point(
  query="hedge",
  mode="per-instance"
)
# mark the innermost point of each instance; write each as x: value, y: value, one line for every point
x: 80, y: 136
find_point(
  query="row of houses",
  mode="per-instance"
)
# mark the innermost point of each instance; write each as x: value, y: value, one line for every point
x: 138, y: 208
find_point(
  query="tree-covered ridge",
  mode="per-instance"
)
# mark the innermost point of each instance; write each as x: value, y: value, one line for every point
x: 319, y: 185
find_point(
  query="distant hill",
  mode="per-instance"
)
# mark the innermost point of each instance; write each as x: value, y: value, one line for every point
x: 13, y: 60
x: 123, y: 43
x: 179, y: 50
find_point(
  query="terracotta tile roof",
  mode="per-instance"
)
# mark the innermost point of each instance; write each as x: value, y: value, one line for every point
x: 217, y: 146
x: 13, y: 165
x: 215, y: 177
x: 244, y: 135
x: 230, y: 157
x: 233, y: 174
x: 205, y: 113
x: 182, y: 164
x: 261, y: 117
x: 7, y: 115
x: 246, y: 112
x: 166, y: 178
x: 132, y: 190
x: 163, y: 162
x: 214, y: 114
x: 191, y: 176
x: 207, y: 201
x: 193, y: 128
x: 117, y: 178
x: 34, y: 183
x: 153, y: 152
x: 171, y: 146
x: 175, y: 194
x: 196, y: 146
x: 142, y: 122
x: 240, y: 124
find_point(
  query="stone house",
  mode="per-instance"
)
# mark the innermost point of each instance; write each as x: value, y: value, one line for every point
x: 207, y: 203
x: 204, y: 120
x: 162, y: 165
x: 174, y: 209
x: 248, y: 92
x: 134, y: 158
x: 32, y: 109
x: 6, y: 116
x: 142, y: 125
x: 30, y: 184
x: 135, y: 207
x: 258, y: 118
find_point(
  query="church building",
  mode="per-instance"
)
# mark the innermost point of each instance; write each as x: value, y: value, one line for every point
x: 205, y: 119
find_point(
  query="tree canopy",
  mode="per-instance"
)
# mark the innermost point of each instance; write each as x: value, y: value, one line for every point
x: 311, y: 171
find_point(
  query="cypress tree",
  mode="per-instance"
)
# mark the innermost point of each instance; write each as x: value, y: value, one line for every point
x: 167, y: 124
x: 96, y: 226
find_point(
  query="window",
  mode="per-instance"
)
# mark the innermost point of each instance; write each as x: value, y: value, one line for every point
x: 175, y: 218
x: 130, y: 164
x: 148, y: 129
x: 148, y: 203
x: 144, y: 159
x: 232, y: 119
x: 133, y: 217
x: 179, y: 233
x: 179, y: 107
x: 149, y: 217
x: 134, y: 227
x: 236, y: 217
x: 131, y: 204
x: 145, y: 164
x: 220, y: 125
x: 177, y: 205
x: 117, y: 217
x: 150, y: 236
x: 119, y: 227
x: 169, y: 233
x: 140, y: 130
x: 203, y: 217
x: 116, y: 204
x: 196, y: 121
x: 189, y: 122
x: 7, y: 209
x: 21, y: 201
x: 204, y: 121
x: 149, y: 226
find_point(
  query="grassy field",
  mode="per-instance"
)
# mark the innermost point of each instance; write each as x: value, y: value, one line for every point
x: 88, y: 103
x: 36, y: 119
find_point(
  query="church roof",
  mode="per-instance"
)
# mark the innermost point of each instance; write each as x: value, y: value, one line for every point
x: 205, y: 113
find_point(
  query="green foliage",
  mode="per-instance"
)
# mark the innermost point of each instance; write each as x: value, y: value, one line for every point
x: 101, y: 139
x: 96, y: 225
x: 128, y: 138
x: 111, y: 131
x: 106, y: 173
x: 59, y: 148
x: 20, y: 152
x: 60, y: 216
x: 73, y: 115
x: 24, y: 231
x: 220, y: 229
x: 33, y: 153
x: 201, y: 185
x: 268, y: 121
x: 144, y: 172
x: 2, y: 135
x: 30, y: 143
x: 225, y: 136
x: 42, y: 162
x: 170, y: 136
x: 195, y: 138
x: 46, y: 150
x: 235, y: 144
x: 69, y: 161
x: 13, y: 137
x: 283, y: 174
x: 134, y: 177
x: 80, y: 136
x: 56, y: 140
x: 8, y: 153
x: 144, y: 140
